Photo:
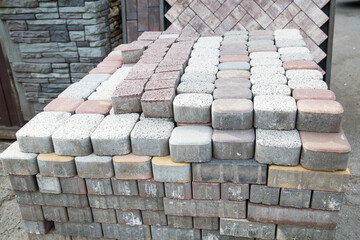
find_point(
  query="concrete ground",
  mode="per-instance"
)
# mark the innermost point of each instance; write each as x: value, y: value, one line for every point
x: 345, y: 83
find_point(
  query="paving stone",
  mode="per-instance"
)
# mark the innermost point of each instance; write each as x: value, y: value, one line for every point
x: 270, y: 89
x: 91, y: 230
x: 234, y: 58
x: 264, y: 195
x: 234, y: 32
x: 56, y: 214
x: 35, y: 136
x: 267, y: 70
x: 307, y: 84
x: 151, y: 137
x: 293, y: 50
x: 300, y: 178
x: 52, y: 165
x: 191, y: 144
x: 151, y: 188
x: 166, y: 170
x: 195, y: 87
x: 262, y: 48
x: 267, y: 79
x: 51, y: 235
x: 131, y: 53
x: 233, y: 51
x: 233, y: 144
x: 99, y: 186
x: 227, y: 93
x: 289, y: 33
x: 179, y: 222
x: 205, y: 52
x: 300, y: 65
x: 232, y: 82
x: 195, y: 60
x: 277, y: 147
x: 23, y: 197
x: 210, y: 69
x: 327, y: 200
x: 319, y: 115
x: 126, y: 232
x: 221, y: 171
x: 80, y: 90
x: 103, y: 70
x: 292, y: 216
x: 73, y: 137
x: 66, y: 200
x: 48, y: 184
x: 193, y: 108
x: 154, y: 218
x: 18, y: 163
x: 63, y: 105
x: 161, y: 84
x: 178, y: 190
x: 112, y: 136
x: 210, y: 44
x: 305, y: 74
x: 289, y: 43
x: 95, y: 106
x: 233, y: 74
x: 163, y: 232
x: 260, y: 42
x: 295, y: 198
x: 104, y: 215
x: 266, y: 62
x: 234, y: 191
x: 262, y: 37
x: 274, y: 112
x: 235, y: 38
x: 132, y: 167
x: 93, y: 166
x: 316, y: 94
x: 198, y: 77
x: 324, y: 151
x: 234, y: 66
x: 205, y: 208
x: 297, y: 57
x: 264, y: 55
x: 206, y: 223
x: 126, y: 99
x: 83, y: 215
x: 23, y: 183
x: 206, y: 191
x: 211, y: 234
x: 95, y: 78
x: 37, y: 227
x: 129, y: 217
x: 124, y: 187
x: 31, y: 212
x: 74, y: 185
x: 288, y: 232
x: 246, y: 229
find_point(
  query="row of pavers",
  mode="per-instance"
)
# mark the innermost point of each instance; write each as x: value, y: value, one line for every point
x: 216, y: 171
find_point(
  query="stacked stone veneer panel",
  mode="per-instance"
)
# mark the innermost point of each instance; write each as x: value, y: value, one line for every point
x: 247, y: 146
x: 58, y: 42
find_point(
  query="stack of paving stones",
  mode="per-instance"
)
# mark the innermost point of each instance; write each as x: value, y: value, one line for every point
x: 165, y: 140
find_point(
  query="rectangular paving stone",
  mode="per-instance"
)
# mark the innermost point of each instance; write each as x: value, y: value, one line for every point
x: 93, y: 166
x: 232, y: 82
x: 160, y: 84
x: 178, y: 190
x: 112, y: 136
x: 233, y: 74
x: 23, y: 182
x: 95, y: 107
x: 18, y: 163
x: 266, y: 62
x: 56, y: 214
x: 151, y: 137
x: 195, y: 87
x: 300, y: 65
x: 129, y: 217
x: 264, y: 55
x: 31, y: 212
x: 270, y: 89
x: 212, y: 234
x: 53, y: 165
x: 162, y: 233
x: 319, y: 115
x: 296, y: 57
x: 23, y: 197
x: 126, y: 99
x: 211, y: 223
x: 132, y: 167
x: 262, y: 48
x: 324, y: 151
x: 191, y: 144
x: 35, y: 136
x: 198, y: 77
x: 91, y: 230
x: 124, y: 187
x: 73, y: 137
x: 126, y: 232
x: 179, y: 222
x: 268, y: 79
x: 264, y: 195
x: 301, y: 178
x: 327, y: 200
x: 154, y: 218
x: 104, y: 215
x: 80, y: 90
x: 126, y: 202
x: 63, y: 105
x: 131, y: 53
x: 205, y: 208
x: 288, y: 232
x: 306, y: 74
x: 100, y: 186
x: 83, y: 215
x: 234, y: 58
x: 74, y: 185
x: 232, y: 93
x: 151, y: 188
x: 37, y: 227
x: 304, y: 83
x: 292, y: 216
x: 158, y: 103
x: 319, y: 94
x: 206, y: 191
x: 48, y: 184
x: 295, y: 198
x: 234, y: 66
x: 274, y: 112
x: 246, y: 229
x: 166, y: 170
x: 234, y: 191
x: 65, y: 200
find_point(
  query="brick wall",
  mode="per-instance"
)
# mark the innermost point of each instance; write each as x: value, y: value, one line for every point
x: 59, y: 41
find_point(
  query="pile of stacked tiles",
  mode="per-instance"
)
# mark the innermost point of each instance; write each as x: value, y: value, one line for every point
x: 193, y: 137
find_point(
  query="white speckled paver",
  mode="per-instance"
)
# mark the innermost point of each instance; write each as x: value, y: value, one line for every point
x: 268, y: 79
x: 198, y: 77
x: 210, y: 69
x: 213, y: 60
x: 267, y: 70
x: 293, y: 50
x: 290, y: 43
x: 305, y: 74
x: 270, y: 89
x: 296, y: 57
x: 307, y: 84
x: 289, y: 33
x: 207, y: 44
x: 35, y: 136
x: 234, y: 66
x: 278, y: 147
x: 260, y: 42
x: 236, y: 32
x: 204, y: 52
x: 266, y: 62
x: 103, y: 95
x: 93, y: 166
x: 151, y: 137
x: 236, y: 37
x: 120, y: 74
x: 169, y: 35
x: 193, y: 108
x: 191, y: 144
x: 73, y: 137
x: 264, y: 55
x: 112, y: 136
x: 99, y: 78
x: 195, y: 87
x: 81, y: 90
x: 274, y: 112
x: 210, y: 39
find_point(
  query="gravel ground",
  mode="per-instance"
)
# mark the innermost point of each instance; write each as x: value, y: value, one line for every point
x: 345, y: 72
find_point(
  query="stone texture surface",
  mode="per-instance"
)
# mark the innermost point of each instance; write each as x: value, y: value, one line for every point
x: 166, y: 170
x: 246, y: 229
x: 132, y: 167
